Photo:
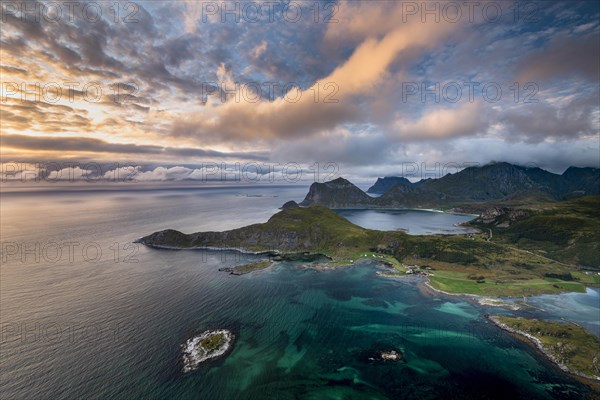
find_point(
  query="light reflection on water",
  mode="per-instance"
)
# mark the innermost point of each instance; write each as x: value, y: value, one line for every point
x: 112, y: 328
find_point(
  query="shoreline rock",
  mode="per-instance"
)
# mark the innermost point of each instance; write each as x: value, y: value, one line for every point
x: 206, y: 346
x: 244, y: 269
x: 540, y: 346
x: 391, y: 355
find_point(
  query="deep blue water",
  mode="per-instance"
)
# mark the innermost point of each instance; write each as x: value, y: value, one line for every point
x: 108, y: 323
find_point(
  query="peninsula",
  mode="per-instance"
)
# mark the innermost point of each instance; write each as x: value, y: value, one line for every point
x: 569, y: 346
x: 532, y: 241
x: 524, y: 257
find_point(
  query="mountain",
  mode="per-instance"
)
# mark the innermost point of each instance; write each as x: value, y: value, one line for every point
x: 338, y: 193
x: 289, y: 204
x: 384, y: 184
x: 414, y: 196
x: 489, y: 183
x: 548, y: 182
x: 586, y: 180
x: 315, y: 229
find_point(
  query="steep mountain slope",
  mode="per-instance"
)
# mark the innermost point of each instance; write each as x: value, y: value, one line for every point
x: 403, y: 196
x: 338, y: 193
x: 384, y: 184
x: 586, y: 180
x: 488, y: 183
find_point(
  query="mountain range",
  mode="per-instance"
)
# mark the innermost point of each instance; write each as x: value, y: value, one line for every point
x: 489, y: 183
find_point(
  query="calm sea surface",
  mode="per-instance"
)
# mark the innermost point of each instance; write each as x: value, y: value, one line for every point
x: 414, y: 222
x: 87, y: 314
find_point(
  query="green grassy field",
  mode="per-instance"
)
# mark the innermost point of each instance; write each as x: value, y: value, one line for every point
x: 458, y: 282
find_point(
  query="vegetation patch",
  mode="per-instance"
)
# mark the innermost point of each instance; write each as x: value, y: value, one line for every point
x: 247, y: 268
x: 569, y: 345
x: 522, y: 259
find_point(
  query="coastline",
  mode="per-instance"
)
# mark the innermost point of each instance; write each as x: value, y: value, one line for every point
x: 481, y: 300
x: 238, y: 249
x: 591, y: 381
x: 427, y: 289
x: 274, y: 253
x: 594, y: 381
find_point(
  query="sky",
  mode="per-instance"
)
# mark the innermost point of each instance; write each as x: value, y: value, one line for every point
x: 171, y: 90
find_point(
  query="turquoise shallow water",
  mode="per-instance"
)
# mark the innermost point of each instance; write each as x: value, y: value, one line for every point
x: 112, y: 329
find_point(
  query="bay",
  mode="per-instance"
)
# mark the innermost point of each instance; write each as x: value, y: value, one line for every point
x: 111, y: 327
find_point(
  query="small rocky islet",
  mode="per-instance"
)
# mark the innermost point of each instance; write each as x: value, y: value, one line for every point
x: 208, y: 345
x: 382, y: 355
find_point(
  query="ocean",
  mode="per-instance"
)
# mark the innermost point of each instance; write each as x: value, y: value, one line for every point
x: 86, y: 313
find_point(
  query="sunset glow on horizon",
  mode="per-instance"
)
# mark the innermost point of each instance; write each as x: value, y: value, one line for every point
x: 367, y: 85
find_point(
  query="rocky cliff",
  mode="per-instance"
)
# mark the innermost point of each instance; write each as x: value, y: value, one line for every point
x: 338, y: 193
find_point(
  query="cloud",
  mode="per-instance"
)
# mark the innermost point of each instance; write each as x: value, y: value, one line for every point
x: 69, y: 174
x: 162, y: 174
x: 542, y: 121
x: 259, y: 50
x: 22, y: 172
x: 467, y: 119
x: 563, y: 57
x: 339, y: 146
x: 304, y: 112
x: 62, y: 144
x: 163, y: 66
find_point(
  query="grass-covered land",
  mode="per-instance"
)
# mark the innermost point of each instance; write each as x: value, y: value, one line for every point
x: 550, y: 248
x: 462, y: 282
x: 213, y: 342
x: 566, y: 231
x: 254, y: 266
x: 569, y: 345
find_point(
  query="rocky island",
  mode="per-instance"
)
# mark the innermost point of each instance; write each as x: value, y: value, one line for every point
x: 206, y: 346
x: 391, y: 355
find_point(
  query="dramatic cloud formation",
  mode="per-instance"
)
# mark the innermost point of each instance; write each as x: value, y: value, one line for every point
x: 366, y: 85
